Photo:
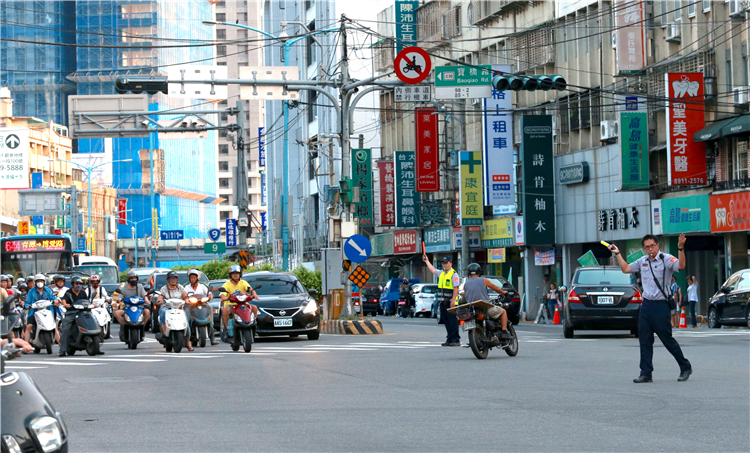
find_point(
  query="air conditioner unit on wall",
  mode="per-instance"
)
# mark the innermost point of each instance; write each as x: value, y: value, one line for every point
x: 740, y: 95
x: 608, y: 130
x: 674, y: 32
x: 736, y: 7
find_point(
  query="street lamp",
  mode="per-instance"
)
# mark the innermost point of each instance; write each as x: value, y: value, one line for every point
x: 88, y: 172
x: 286, y: 44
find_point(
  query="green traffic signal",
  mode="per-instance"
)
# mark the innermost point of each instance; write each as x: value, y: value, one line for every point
x: 138, y: 84
x: 529, y: 83
x: 346, y: 186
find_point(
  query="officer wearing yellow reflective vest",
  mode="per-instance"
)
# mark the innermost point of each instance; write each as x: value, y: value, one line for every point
x: 448, y: 282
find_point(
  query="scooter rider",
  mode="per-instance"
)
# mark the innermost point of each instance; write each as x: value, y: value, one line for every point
x: 96, y: 291
x: 58, y: 285
x: 200, y: 290
x: 235, y: 283
x: 68, y: 300
x: 39, y: 292
x: 475, y: 288
x: 131, y: 289
x: 404, y: 292
x: 172, y: 290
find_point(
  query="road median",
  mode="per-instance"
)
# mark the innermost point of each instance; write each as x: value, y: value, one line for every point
x: 357, y: 327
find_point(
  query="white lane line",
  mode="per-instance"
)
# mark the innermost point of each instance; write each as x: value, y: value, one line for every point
x: 61, y: 363
x: 411, y: 342
x: 114, y: 359
x: 14, y: 367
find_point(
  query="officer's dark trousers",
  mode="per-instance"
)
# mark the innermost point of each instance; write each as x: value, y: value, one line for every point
x: 655, y: 318
x: 451, y: 324
x: 68, y: 321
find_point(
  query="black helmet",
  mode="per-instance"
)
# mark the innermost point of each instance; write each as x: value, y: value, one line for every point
x: 475, y: 269
x: 131, y: 274
x: 76, y: 280
x: 171, y: 274
x: 57, y: 277
x: 406, y: 280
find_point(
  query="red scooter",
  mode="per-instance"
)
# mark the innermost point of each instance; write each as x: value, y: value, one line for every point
x: 242, y: 323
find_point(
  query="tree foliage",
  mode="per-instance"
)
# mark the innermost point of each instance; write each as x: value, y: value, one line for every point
x: 311, y: 280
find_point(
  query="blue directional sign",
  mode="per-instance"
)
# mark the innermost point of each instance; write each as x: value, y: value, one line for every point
x: 231, y: 232
x: 81, y: 243
x: 172, y: 234
x: 214, y: 234
x: 37, y: 220
x: 357, y: 248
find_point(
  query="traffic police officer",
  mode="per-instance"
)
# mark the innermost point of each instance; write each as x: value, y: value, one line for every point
x: 448, y: 282
x: 656, y: 270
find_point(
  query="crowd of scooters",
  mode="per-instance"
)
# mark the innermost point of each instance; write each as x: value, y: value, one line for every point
x: 40, y: 311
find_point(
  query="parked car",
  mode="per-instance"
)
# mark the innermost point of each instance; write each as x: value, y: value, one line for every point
x: 731, y: 304
x: 389, y: 298
x: 601, y: 298
x: 285, y: 306
x: 425, y: 297
x: 370, y: 299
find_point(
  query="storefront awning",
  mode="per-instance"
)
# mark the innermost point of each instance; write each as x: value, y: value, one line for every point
x: 724, y: 128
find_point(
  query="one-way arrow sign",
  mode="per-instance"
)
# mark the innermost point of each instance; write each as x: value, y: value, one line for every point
x: 12, y: 141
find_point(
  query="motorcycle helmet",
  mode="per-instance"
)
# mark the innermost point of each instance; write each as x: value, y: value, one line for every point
x: 172, y: 274
x: 85, y: 279
x: 22, y: 286
x: 131, y: 274
x: 3, y: 278
x: 234, y: 268
x: 30, y: 280
x: 95, y: 280
x: 57, y: 277
x: 195, y: 272
x: 406, y: 280
x: 20, y: 280
x: 76, y: 280
x: 475, y: 269
x: 41, y: 277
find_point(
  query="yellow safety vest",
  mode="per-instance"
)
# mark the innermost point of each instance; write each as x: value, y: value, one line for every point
x: 446, y: 280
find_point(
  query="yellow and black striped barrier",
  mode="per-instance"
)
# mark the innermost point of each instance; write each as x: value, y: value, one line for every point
x: 364, y: 327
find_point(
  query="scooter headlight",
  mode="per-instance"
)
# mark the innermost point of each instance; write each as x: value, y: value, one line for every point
x: 140, y: 318
x: 47, y: 433
x: 311, y: 307
x: 12, y: 444
x: 237, y: 318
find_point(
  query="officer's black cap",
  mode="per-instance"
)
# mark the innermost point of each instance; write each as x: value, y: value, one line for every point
x: 447, y: 259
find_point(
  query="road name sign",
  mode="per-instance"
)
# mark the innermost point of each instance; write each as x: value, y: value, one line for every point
x: 463, y: 82
x: 231, y: 232
x: 172, y: 234
x: 412, y: 65
x: 214, y: 247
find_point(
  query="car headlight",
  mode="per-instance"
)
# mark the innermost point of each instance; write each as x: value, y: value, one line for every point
x: 12, y: 444
x: 311, y: 307
x: 47, y: 432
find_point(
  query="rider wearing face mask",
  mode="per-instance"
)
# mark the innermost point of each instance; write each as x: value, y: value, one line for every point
x: 76, y: 293
x: 131, y: 289
x: 36, y: 293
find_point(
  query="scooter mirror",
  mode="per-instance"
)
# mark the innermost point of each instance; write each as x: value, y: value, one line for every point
x: 223, y: 290
x: 258, y: 286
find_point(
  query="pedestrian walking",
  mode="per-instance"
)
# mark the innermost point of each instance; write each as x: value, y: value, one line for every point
x: 676, y: 292
x: 656, y: 268
x: 553, y: 296
x: 692, y: 297
x: 448, y: 282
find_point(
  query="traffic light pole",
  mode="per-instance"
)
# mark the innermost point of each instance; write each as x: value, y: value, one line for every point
x: 241, y: 185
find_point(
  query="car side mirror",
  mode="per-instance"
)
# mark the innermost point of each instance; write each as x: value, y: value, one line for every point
x: 725, y: 290
x: 313, y: 291
x: 563, y: 288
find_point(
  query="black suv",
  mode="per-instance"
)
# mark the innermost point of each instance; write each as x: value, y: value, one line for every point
x: 602, y: 298
x: 731, y: 304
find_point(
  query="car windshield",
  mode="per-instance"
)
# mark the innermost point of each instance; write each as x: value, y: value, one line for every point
x: 603, y: 277
x: 428, y: 290
x: 275, y: 284
x: 370, y: 292
x: 108, y: 274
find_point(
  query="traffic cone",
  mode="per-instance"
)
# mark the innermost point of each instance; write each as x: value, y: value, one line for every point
x: 683, y: 320
x: 556, y: 318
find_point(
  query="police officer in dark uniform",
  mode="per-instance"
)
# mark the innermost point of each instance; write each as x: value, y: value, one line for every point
x: 448, y: 282
x: 656, y: 270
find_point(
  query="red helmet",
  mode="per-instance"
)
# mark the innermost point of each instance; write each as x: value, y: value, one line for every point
x: 95, y: 280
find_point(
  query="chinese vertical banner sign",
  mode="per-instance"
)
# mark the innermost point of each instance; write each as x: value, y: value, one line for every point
x: 470, y: 175
x: 406, y: 23
x: 498, y: 147
x: 362, y: 180
x: 387, y: 194
x: 428, y: 174
x: 122, y: 211
x: 630, y: 37
x: 538, y: 179
x: 687, y: 158
x: 407, y: 197
x: 634, y: 150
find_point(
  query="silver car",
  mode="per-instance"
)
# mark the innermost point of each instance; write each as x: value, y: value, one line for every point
x: 425, y: 295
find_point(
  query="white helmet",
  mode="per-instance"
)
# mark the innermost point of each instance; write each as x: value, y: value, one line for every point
x: 195, y: 272
x: 38, y: 277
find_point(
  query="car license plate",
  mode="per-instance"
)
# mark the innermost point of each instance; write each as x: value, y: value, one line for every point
x: 605, y: 300
x: 468, y: 325
x: 282, y: 322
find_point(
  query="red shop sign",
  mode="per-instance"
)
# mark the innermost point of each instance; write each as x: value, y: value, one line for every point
x: 730, y: 212
x: 122, y: 211
x: 685, y: 117
x: 387, y: 194
x: 428, y: 174
x: 405, y: 242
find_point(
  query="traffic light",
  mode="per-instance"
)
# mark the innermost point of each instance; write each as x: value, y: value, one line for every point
x: 345, y: 186
x: 529, y: 83
x: 139, y: 84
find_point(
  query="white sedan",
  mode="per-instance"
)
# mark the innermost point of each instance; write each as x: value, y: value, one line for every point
x: 424, y: 297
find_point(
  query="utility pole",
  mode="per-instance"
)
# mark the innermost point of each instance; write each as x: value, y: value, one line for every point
x: 241, y: 185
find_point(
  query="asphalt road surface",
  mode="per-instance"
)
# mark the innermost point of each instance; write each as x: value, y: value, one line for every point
x: 401, y: 391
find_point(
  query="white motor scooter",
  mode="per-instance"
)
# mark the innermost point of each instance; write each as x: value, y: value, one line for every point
x: 43, y: 335
x: 101, y: 314
x: 175, y: 325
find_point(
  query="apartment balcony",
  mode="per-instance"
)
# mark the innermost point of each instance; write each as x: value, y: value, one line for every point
x: 482, y: 11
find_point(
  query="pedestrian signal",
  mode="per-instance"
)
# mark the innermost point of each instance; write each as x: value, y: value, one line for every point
x: 347, y: 265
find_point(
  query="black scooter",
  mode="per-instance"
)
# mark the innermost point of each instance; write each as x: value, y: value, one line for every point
x: 85, y: 334
x: 29, y: 421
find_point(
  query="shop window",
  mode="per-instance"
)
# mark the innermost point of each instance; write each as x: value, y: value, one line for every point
x: 738, y: 162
